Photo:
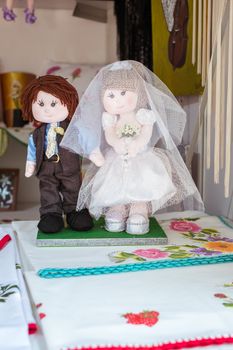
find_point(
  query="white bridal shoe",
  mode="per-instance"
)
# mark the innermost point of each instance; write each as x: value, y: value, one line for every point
x: 115, y: 221
x: 137, y: 224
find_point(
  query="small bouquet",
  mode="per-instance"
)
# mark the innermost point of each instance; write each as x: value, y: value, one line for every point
x: 128, y: 131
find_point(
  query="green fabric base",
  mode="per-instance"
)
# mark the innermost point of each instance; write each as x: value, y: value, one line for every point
x: 99, y: 236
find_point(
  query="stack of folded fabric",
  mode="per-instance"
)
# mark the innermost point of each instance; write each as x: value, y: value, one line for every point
x: 16, y: 319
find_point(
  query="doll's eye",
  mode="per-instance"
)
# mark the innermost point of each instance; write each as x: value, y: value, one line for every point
x: 111, y: 95
x: 41, y: 103
x: 53, y: 104
x: 123, y: 93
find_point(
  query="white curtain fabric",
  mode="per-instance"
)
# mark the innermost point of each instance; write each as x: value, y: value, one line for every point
x: 212, y: 50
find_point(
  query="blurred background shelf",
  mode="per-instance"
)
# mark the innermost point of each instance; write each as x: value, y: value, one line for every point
x: 20, y: 134
x: 25, y: 211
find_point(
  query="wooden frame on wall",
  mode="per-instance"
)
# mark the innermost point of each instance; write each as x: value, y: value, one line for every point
x: 9, y: 180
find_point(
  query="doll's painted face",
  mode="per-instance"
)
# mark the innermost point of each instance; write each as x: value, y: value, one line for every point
x: 119, y: 101
x: 48, y: 108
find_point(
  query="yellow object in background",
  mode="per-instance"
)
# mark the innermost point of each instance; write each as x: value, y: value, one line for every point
x: 181, y: 80
x: 12, y: 85
x: 3, y: 141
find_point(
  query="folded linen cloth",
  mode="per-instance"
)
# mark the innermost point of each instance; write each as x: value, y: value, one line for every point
x: 159, y: 309
x: 16, y: 319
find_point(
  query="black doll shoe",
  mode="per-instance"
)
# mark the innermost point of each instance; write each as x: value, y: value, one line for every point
x: 51, y: 223
x: 79, y: 220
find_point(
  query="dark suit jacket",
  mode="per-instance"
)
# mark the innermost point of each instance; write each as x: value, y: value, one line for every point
x: 69, y: 160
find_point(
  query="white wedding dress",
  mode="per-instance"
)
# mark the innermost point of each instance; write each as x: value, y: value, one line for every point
x: 147, y: 177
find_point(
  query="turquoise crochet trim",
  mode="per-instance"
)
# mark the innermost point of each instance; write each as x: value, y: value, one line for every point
x: 103, y: 270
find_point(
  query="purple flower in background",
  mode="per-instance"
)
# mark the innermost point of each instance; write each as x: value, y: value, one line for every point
x: 204, y: 251
x: 219, y: 238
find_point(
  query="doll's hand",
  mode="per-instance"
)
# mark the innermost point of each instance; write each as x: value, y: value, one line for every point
x: 96, y: 157
x: 30, y: 168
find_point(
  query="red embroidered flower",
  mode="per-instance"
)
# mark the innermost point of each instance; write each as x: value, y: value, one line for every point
x: 42, y: 315
x: 32, y: 328
x: 148, y: 318
x: 185, y: 226
x: 220, y: 295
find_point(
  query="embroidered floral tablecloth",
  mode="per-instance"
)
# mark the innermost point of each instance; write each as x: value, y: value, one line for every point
x: 160, y: 309
x: 191, y: 235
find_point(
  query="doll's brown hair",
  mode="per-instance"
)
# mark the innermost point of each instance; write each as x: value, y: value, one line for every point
x: 54, y: 85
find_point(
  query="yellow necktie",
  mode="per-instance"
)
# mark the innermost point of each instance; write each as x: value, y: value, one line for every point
x: 51, y: 141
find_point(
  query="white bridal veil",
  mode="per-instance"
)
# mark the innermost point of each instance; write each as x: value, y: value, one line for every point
x: 85, y: 134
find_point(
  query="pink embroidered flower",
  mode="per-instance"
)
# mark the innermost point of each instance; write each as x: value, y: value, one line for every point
x: 151, y: 253
x: 42, y: 315
x: 185, y: 226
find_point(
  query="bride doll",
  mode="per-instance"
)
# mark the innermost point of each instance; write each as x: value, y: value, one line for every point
x: 128, y: 128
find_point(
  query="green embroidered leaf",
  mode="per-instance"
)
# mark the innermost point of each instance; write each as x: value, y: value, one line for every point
x: 126, y: 255
x: 139, y: 258
x: 13, y: 286
x: 18, y: 266
x: 191, y: 246
x: 8, y: 286
x: 2, y: 300
x: 209, y: 230
x: 119, y: 261
x: 5, y: 295
x: 180, y: 256
x: 189, y: 235
x: 228, y: 285
x: 200, y: 239
x: 191, y: 219
x: 5, y: 290
x: 228, y: 304
x: 172, y: 248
